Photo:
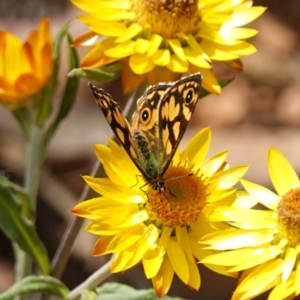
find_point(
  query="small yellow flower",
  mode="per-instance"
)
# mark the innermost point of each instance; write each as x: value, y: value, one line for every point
x: 159, y: 40
x: 25, y: 66
x: 160, y: 230
x: 267, y: 242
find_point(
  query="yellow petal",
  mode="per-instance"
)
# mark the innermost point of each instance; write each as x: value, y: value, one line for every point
x: 297, y: 279
x: 249, y: 218
x: 104, y: 154
x: 197, y: 148
x: 101, y: 245
x: 129, y: 169
x: 155, y: 42
x: 178, y: 260
x: 244, y: 200
x: 141, y: 63
x: 184, y: 242
x: 87, y: 38
x: 106, y: 28
x: 283, y: 176
x: 218, y: 52
x: 283, y: 290
x: 289, y: 260
x: 177, y: 48
x: 227, y: 178
x: 141, y: 45
x: 123, y: 261
x: 110, y: 189
x: 261, y: 277
x: 258, y: 258
x: 152, y: 262
x: 236, y: 238
x: 127, y: 259
x: 211, y: 166
x: 125, y: 240
x: 177, y: 65
x: 193, y: 43
x: 261, y: 194
x: 101, y: 229
x: 194, y: 276
x: 162, y: 281
x: 210, y: 83
x: 241, y: 257
x: 202, y: 253
x: 121, y: 50
x: 237, y: 33
x: 245, y: 16
x: 161, y: 57
x: 222, y: 197
x: 96, y: 57
x: 133, y: 30
x: 208, y: 33
x: 196, y: 59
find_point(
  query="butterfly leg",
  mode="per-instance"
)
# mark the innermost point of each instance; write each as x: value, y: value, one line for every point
x: 137, y: 181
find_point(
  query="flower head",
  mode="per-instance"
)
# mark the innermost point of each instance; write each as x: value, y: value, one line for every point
x: 158, y: 40
x: 267, y: 242
x: 161, y: 230
x: 25, y: 66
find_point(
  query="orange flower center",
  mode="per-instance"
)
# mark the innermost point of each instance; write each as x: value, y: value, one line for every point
x: 289, y: 216
x: 181, y: 202
x: 167, y: 17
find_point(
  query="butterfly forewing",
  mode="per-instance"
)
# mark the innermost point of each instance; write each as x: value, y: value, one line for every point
x: 120, y: 126
x: 174, y: 113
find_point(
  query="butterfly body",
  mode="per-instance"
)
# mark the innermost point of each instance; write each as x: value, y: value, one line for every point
x: 157, y: 127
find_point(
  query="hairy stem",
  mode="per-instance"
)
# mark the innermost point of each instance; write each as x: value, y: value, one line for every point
x: 31, y: 181
x: 91, y: 282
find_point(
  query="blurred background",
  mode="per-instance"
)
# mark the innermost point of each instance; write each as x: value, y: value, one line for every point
x: 260, y: 108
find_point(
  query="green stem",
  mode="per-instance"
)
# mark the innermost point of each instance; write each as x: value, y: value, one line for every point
x: 31, y: 180
x: 91, y: 282
x: 63, y: 252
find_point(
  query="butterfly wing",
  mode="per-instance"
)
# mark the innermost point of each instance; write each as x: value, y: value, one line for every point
x: 157, y: 127
x: 121, y: 128
x: 174, y: 113
x: 146, y: 117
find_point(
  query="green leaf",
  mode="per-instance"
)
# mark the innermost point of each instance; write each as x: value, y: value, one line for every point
x: 14, y: 208
x: 112, y: 291
x: 36, y: 284
x: 47, y: 95
x: 104, y: 74
x: 20, y: 193
x: 222, y: 84
x: 68, y: 96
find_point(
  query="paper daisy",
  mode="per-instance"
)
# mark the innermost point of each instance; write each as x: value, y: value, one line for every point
x: 160, y: 230
x: 158, y: 40
x: 267, y: 242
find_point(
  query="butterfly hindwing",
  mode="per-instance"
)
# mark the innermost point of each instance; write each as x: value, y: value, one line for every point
x: 146, y: 117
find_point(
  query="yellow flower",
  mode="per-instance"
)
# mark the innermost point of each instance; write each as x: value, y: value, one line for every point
x: 25, y: 66
x: 161, y: 230
x: 158, y: 40
x: 267, y: 243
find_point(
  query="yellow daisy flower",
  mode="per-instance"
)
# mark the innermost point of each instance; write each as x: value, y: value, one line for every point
x: 25, y: 66
x: 158, y: 40
x: 267, y: 242
x: 160, y: 230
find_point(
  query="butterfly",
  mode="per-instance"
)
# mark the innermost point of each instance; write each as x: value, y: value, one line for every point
x: 157, y: 127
